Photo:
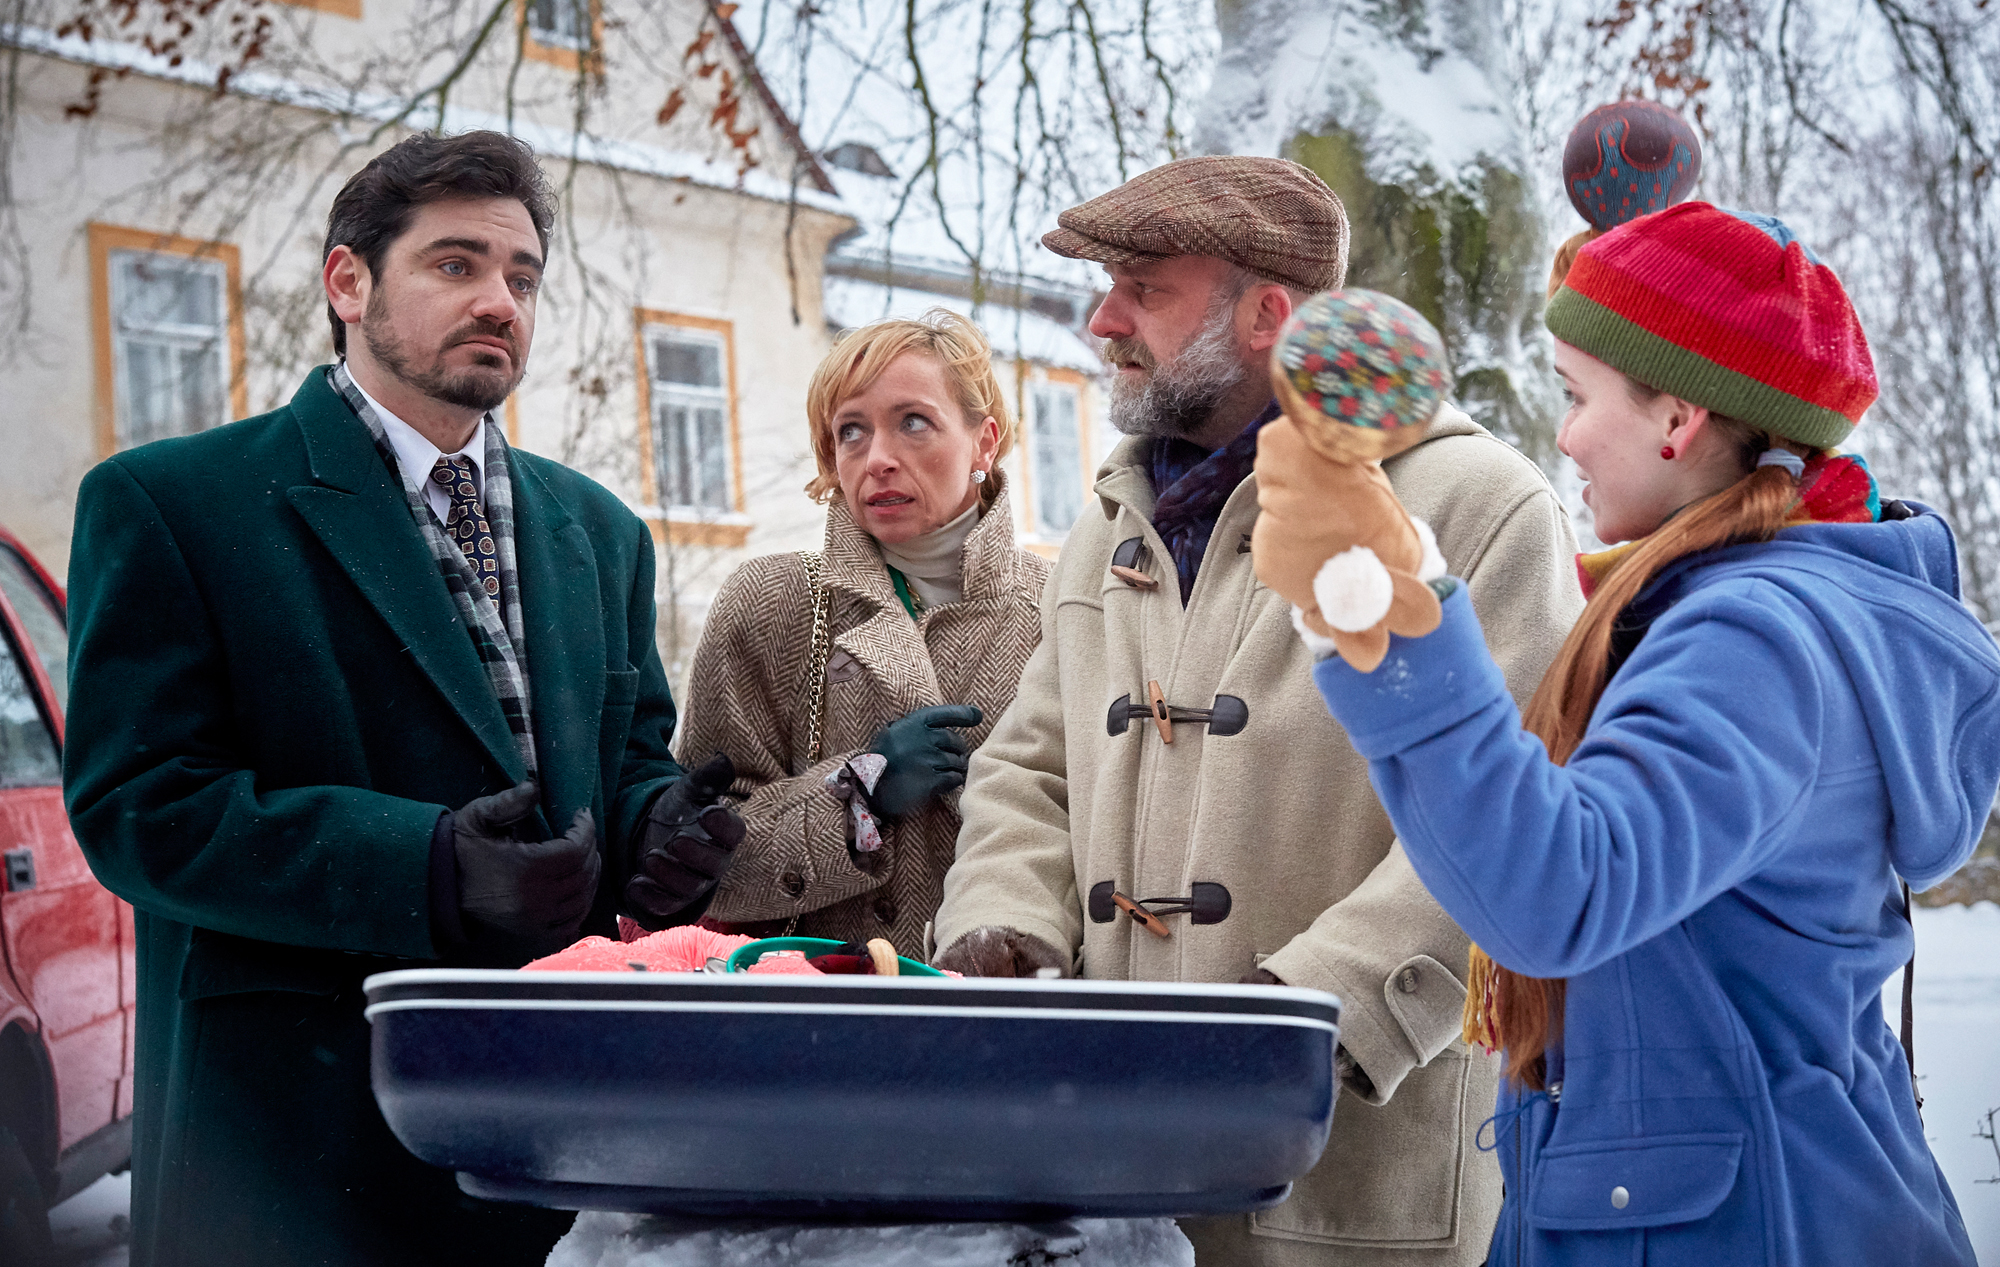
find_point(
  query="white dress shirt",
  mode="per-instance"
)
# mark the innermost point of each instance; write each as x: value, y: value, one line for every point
x: 418, y: 456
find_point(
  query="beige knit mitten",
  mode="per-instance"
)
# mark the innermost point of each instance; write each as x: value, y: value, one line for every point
x: 1333, y: 539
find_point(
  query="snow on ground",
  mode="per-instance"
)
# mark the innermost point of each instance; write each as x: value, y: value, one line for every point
x: 1958, y: 1054
x: 91, y: 1228
x: 629, y: 1240
x: 1958, y: 1063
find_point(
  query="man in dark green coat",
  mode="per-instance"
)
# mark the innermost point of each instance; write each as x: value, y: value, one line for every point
x: 357, y: 686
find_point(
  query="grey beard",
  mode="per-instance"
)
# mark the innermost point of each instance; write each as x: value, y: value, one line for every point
x: 1180, y: 396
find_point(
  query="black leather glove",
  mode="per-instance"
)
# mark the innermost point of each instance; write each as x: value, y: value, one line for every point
x: 994, y: 951
x: 684, y: 845
x: 540, y: 889
x: 926, y: 757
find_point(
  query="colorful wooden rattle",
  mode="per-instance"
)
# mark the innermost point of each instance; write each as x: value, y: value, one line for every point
x: 1359, y: 376
x: 1628, y: 159
x: 1623, y: 161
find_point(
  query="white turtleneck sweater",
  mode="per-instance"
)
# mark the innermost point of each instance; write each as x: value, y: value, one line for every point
x: 934, y: 564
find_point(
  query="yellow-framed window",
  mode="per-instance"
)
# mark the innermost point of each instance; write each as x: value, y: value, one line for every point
x: 561, y: 32
x: 688, y: 430
x: 168, y: 318
x: 338, y: 8
x: 1058, y: 450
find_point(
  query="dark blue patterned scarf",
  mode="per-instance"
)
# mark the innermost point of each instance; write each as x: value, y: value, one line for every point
x: 1191, y: 484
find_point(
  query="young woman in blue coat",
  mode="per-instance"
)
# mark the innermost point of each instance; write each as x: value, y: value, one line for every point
x: 1684, y: 863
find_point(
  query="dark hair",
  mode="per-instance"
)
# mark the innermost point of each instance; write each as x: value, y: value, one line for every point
x: 375, y: 205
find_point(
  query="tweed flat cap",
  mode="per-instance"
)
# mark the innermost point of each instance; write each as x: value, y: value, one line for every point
x: 1269, y: 215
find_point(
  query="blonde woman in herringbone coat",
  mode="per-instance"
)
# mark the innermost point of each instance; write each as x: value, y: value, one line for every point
x: 848, y: 686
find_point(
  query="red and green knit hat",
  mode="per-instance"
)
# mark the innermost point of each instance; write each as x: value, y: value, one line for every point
x: 1724, y: 309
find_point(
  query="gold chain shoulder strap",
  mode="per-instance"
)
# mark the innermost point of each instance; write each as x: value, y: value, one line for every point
x: 822, y: 648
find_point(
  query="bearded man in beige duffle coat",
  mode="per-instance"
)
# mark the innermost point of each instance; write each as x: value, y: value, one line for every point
x: 1267, y: 800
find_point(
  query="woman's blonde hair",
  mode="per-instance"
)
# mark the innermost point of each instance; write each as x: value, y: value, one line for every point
x: 860, y: 355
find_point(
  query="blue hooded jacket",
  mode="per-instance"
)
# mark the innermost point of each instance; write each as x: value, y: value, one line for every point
x: 1714, y: 871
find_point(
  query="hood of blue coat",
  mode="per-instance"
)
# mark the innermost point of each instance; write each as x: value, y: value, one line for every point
x: 1926, y: 672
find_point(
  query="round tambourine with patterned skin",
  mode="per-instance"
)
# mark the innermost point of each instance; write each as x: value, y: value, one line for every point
x: 1360, y: 373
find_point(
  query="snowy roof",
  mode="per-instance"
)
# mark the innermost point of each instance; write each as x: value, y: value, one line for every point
x: 906, y: 232
x: 901, y: 230
x: 551, y: 142
x: 1015, y: 333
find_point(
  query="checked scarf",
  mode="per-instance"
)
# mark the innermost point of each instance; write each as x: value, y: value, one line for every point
x: 495, y: 625
x: 1192, y: 484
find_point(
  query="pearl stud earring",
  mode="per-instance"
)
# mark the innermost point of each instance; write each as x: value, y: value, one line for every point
x: 979, y: 477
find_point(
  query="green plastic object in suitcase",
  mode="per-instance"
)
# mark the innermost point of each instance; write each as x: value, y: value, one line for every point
x: 744, y: 956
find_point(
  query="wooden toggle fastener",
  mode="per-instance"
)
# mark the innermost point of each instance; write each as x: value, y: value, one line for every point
x: 1129, y: 562
x: 1160, y: 715
x: 1151, y: 921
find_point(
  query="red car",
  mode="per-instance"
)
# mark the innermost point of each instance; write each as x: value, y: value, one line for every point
x: 67, y: 986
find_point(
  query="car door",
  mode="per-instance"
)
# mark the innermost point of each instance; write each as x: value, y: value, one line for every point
x: 61, y: 929
x: 41, y: 609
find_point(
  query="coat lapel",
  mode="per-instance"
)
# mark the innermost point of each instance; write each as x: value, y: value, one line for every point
x: 560, y: 620
x: 992, y: 562
x: 363, y: 519
x: 1123, y: 480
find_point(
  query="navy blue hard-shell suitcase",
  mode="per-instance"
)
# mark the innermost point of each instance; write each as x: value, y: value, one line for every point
x: 856, y: 1097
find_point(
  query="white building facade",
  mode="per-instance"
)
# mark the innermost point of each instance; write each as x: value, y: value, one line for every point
x: 169, y: 236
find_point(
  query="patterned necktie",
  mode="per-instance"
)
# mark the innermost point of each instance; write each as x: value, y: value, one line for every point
x: 466, y: 524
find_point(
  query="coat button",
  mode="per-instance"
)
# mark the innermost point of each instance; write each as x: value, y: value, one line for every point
x: 1620, y: 1198
x: 1406, y: 981
x: 792, y: 883
x: 885, y: 910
